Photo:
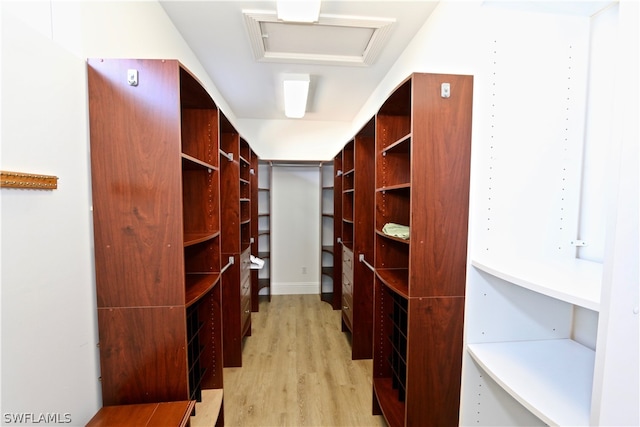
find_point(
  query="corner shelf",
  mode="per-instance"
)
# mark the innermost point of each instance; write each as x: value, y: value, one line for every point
x: 543, y: 369
x: 551, y: 378
x: 556, y: 279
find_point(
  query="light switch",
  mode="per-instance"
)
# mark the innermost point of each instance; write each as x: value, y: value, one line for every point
x: 132, y: 77
x: 445, y: 90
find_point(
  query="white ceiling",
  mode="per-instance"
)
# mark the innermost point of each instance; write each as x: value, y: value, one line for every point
x: 342, y: 76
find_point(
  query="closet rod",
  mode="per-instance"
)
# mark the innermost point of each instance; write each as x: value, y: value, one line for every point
x: 231, y: 261
x: 229, y: 156
x: 362, y: 260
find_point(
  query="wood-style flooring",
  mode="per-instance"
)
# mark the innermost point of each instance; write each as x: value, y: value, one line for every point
x: 297, y: 370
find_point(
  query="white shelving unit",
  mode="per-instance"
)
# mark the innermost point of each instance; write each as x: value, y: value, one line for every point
x: 549, y: 337
x: 552, y: 377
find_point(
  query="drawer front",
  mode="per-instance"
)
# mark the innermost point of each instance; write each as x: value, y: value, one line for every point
x: 347, y: 311
x: 245, y: 286
x: 246, y: 309
x: 347, y: 262
x: 245, y: 266
x: 347, y: 285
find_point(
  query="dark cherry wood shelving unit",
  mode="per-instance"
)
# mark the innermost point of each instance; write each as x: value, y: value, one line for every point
x: 357, y: 206
x: 235, y: 202
x: 330, y: 250
x: 423, y: 146
x: 255, y: 281
x: 263, y: 227
x: 156, y: 207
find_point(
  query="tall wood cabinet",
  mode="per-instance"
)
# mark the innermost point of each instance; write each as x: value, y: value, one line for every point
x: 357, y: 207
x: 423, y: 147
x: 235, y: 200
x: 155, y: 182
x: 254, y: 240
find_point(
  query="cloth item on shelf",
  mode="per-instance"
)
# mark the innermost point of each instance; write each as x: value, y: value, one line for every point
x: 256, y: 263
x: 396, y: 230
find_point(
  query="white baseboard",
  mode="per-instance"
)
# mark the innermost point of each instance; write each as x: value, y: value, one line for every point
x: 295, y: 288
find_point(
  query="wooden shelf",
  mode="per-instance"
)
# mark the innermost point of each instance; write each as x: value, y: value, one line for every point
x: 401, y: 186
x: 401, y: 145
x: 396, y: 279
x: 189, y: 162
x: 392, y: 408
x: 195, y: 238
x: 328, y: 271
x: 198, y: 284
x: 394, y: 238
x: 551, y: 378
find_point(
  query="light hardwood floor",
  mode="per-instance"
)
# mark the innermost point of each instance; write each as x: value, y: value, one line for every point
x: 297, y: 370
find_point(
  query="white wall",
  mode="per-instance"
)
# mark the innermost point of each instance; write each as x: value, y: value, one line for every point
x: 49, y: 332
x: 279, y: 139
x: 295, y: 230
x: 49, y: 355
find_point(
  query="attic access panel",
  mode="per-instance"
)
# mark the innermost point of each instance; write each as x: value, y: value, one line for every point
x: 333, y: 40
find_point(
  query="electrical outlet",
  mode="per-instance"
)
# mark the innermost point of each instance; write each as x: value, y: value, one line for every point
x: 304, y: 270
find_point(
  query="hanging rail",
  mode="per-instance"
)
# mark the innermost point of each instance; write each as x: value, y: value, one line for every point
x: 231, y: 261
x: 362, y: 260
x: 229, y: 156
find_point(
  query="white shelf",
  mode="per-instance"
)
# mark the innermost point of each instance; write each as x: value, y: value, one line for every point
x: 551, y: 378
x: 575, y: 281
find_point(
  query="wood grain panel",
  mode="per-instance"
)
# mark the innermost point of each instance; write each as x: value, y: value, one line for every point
x: 136, y: 204
x: 230, y: 194
x: 426, y: 354
x: 200, y: 134
x: 335, y: 298
x: 435, y: 361
x: 440, y: 184
x: 363, y: 236
x: 143, y: 355
x: 231, y: 308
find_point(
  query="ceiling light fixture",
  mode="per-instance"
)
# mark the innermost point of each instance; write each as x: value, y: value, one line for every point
x: 298, y: 10
x: 296, y: 90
